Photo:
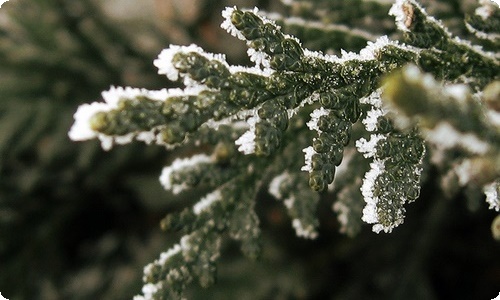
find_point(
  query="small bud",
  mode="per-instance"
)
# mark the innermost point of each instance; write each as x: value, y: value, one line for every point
x: 99, y: 121
x: 328, y: 172
x: 353, y: 111
x: 292, y: 48
x: 495, y: 228
x: 337, y: 155
x: 384, y: 125
x: 317, y: 181
x: 321, y: 144
x: 332, y: 100
x: 317, y: 162
x: 172, y: 134
x: 258, y: 44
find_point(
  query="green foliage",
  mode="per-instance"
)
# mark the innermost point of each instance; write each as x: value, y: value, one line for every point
x: 285, y: 85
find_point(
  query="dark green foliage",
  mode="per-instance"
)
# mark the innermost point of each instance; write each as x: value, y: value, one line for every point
x: 287, y: 83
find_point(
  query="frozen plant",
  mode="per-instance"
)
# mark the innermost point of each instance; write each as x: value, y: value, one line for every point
x: 372, y: 119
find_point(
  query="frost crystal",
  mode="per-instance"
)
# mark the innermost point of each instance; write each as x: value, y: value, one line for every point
x: 464, y: 172
x: 397, y: 10
x: 246, y: 142
x: 165, y: 65
x: 164, y: 60
x: 315, y: 115
x: 371, y: 119
x: 371, y: 49
x: 307, y: 232
x: 289, y: 202
x: 185, y: 244
x: 207, y: 201
x: 370, y: 210
x: 368, y: 148
x: 115, y: 94
x: 342, y: 211
x: 259, y: 58
x: 444, y: 136
x: 179, y: 164
x: 374, y: 99
x: 309, y: 152
x: 146, y: 136
x: 149, y: 290
x: 492, y: 192
x: 274, y: 186
x: 81, y: 130
x: 485, y: 11
x: 228, y: 25
x: 164, y: 256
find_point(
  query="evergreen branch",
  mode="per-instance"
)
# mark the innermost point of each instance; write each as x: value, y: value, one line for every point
x: 440, y: 112
x: 457, y: 59
x: 326, y: 37
x: 292, y: 99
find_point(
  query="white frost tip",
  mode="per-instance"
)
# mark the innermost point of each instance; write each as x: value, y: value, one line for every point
x: 370, y: 51
x: 445, y: 136
x: 309, y: 152
x: 179, y: 164
x: 370, y: 215
x: 277, y: 182
x: 185, y: 242
x: 81, y: 130
x: 164, y: 60
x: 246, y: 141
x: 115, y: 94
x: 228, y: 25
x: 486, y: 10
x: 164, y: 256
x: 259, y: 58
x: 315, y: 115
x: 368, y: 148
x: 398, y: 12
x: 307, y: 232
x: 146, y: 136
x: 492, y: 192
x: 343, y: 212
x: 413, y: 74
x: 458, y: 92
x: 165, y: 65
x: 371, y: 119
x: 149, y: 290
x: 464, y: 172
x: 374, y: 99
x: 207, y: 201
x: 287, y: 2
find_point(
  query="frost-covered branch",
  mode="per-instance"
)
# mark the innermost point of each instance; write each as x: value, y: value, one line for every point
x: 306, y: 124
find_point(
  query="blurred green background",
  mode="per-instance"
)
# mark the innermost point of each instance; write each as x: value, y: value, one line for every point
x: 80, y: 223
